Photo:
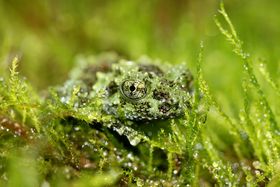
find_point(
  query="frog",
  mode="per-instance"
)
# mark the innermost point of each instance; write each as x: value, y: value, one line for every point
x: 130, y: 94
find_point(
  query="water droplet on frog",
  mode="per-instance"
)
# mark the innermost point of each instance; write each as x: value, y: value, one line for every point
x: 77, y: 128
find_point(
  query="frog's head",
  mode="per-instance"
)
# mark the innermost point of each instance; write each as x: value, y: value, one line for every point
x: 144, y: 91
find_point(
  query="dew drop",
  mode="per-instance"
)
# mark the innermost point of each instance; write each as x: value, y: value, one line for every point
x: 195, y: 155
x: 256, y: 164
x: 45, y: 184
x: 105, y: 153
x: 257, y: 172
x: 129, y: 164
x: 130, y: 156
x: 215, y: 164
x: 175, y: 172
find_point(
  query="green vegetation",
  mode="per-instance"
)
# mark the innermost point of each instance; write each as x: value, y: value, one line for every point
x: 45, y: 142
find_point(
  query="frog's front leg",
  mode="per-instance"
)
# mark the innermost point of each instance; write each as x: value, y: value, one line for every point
x: 124, y: 128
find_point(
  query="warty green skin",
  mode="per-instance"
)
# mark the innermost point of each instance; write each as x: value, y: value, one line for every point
x: 131, y: 92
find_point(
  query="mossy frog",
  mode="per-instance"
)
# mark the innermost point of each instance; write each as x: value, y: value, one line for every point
x: 131, y: 93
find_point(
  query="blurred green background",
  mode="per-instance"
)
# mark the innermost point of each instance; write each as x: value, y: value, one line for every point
x: 49, y: 35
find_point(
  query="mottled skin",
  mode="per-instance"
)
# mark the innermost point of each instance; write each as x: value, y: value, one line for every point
x: 132, y: 91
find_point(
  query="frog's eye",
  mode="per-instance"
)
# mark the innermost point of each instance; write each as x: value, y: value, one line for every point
x: 133, y: 89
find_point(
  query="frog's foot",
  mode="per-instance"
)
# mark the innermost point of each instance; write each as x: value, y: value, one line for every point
x: 134, y: 137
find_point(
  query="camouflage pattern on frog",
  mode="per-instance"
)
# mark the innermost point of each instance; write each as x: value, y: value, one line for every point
x: 131, y: 92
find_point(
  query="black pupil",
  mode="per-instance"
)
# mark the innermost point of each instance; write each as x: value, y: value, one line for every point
x: 132, y: 88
